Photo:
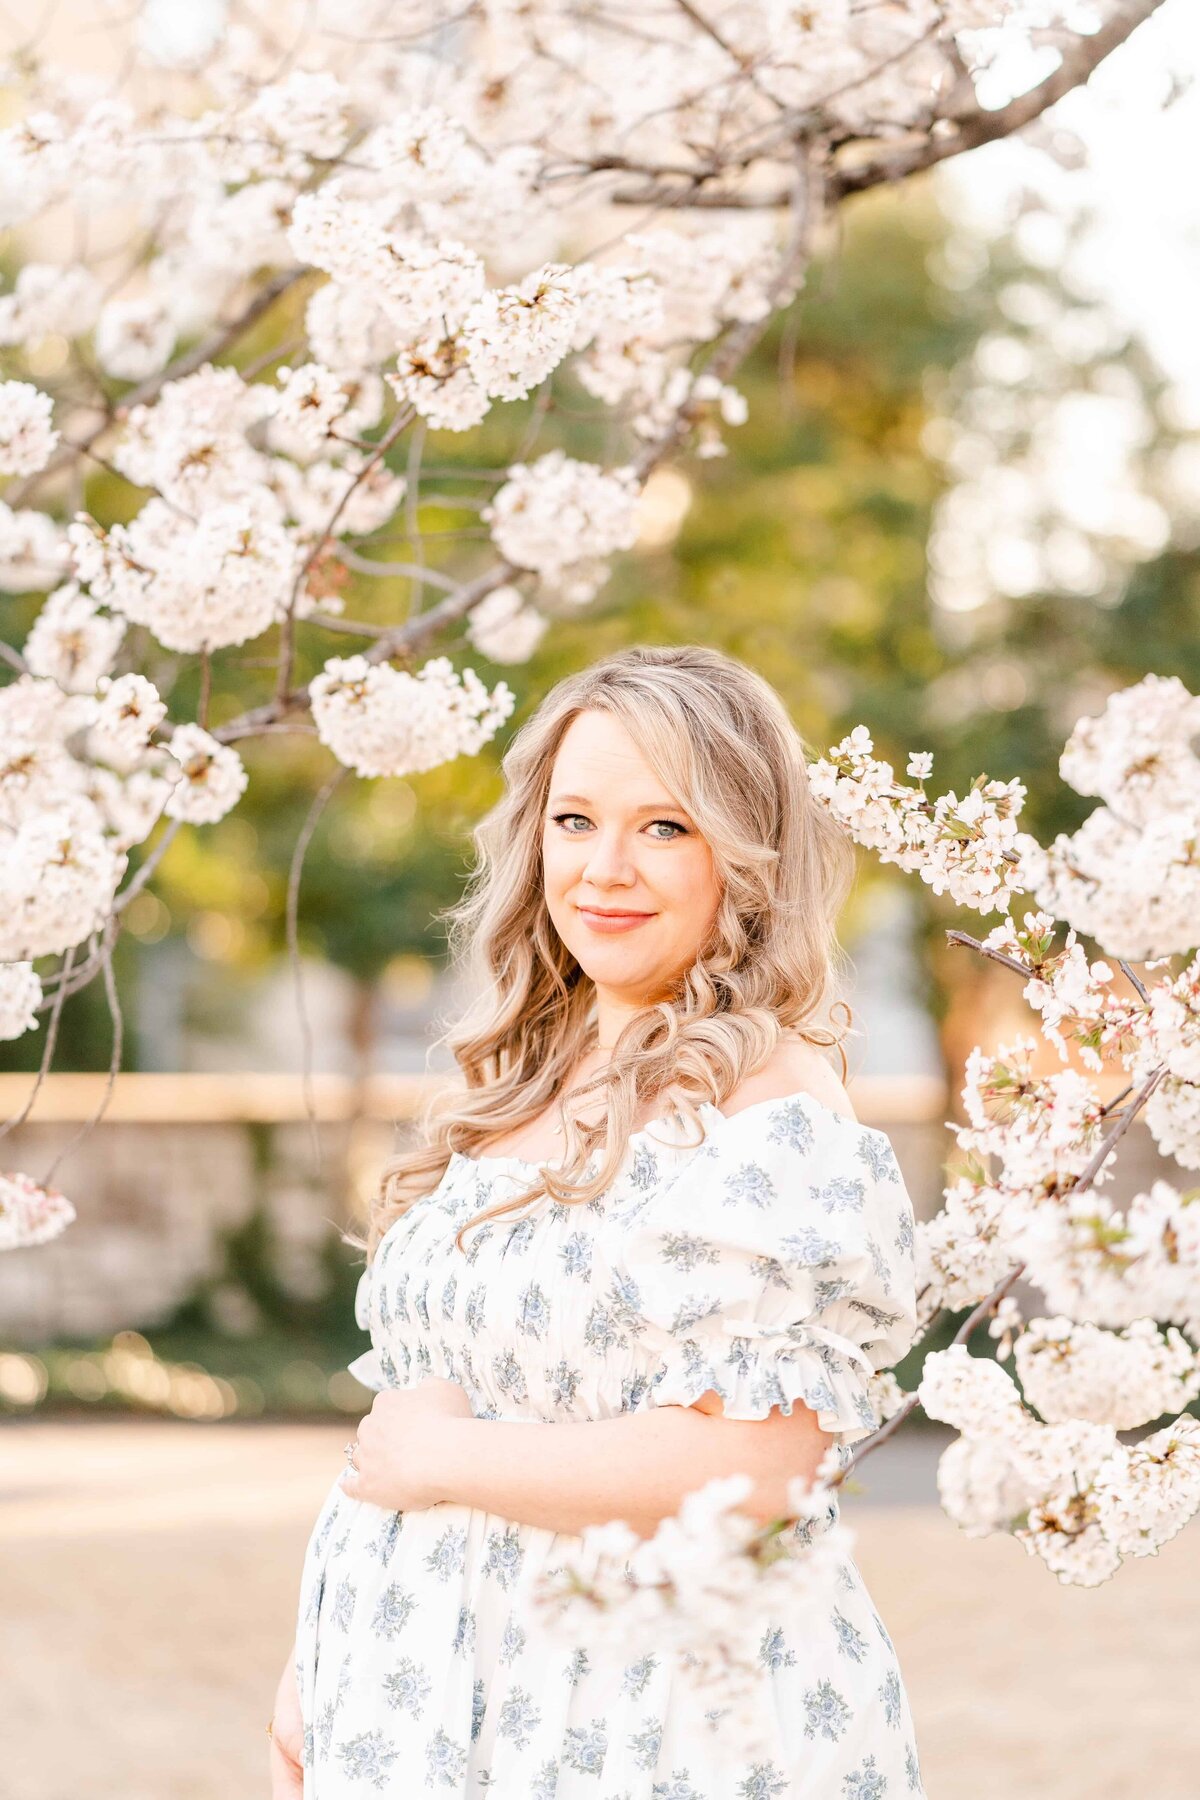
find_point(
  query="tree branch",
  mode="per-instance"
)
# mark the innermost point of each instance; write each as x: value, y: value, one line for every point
x: 967, y: 127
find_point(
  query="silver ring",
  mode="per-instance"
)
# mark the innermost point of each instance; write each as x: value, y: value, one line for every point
x: 348, y: 1452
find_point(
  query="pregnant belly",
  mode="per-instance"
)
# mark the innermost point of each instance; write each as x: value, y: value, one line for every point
x: 422, y: 1592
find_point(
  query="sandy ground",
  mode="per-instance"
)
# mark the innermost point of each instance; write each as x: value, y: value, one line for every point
x: 149, y: 1571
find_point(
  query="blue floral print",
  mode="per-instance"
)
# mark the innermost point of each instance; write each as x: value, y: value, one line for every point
x: 771, y: 1263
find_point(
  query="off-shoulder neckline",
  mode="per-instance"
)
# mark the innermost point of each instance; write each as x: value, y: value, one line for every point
x: 526, y: 1162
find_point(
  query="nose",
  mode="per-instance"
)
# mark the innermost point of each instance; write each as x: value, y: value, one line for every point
x: 608, y: 863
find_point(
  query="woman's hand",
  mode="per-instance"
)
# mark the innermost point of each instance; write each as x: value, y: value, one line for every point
x: 404, y: 1446
x: 287, y: 1737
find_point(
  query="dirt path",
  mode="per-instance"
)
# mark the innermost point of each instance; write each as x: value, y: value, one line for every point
x: 149, y: 1570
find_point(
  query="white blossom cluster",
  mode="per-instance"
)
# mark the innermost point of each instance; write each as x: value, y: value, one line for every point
x: 1040, y: 1129
x: 58, y: 874
x: 1029, y: 1140
x: 507, y: 343
x: 1120, y: 1378
x: 964, y: 847
x: 71, y: 642
x: 1137, y: 756
x: 1081, y: 1007
x: 316, y: 409
x: 358, y: 491
x: 131, y: 803
x: 37, y: 723
x: 20, y: 997
x: 59, y: 865
x: 701, y: 1587
x: 515, y: 336
x: 191, y: 445
x: 383, y: 721
x: 1168, y: 1037
x: 134, y: 338
x: 48, y: 298
x: 128, y: 712
x: 1122, y: 1286
x: 1095, y: 1261
x: 33, y: 550
x: 1069, y: 1490
x: 1129, y: 877
x: 27, y: 438
x: 1075, y: 999
x: 211, y: 779
x: 197, y: 586
x: 30, y: 1214
x: 966, y: 1249
x: 504, y: 627
x: 559, y: 517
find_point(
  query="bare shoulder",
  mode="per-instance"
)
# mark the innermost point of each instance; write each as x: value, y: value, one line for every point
x: 793, y: 1067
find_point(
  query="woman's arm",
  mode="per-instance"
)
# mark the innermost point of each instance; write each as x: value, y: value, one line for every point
x: 636, y: 1467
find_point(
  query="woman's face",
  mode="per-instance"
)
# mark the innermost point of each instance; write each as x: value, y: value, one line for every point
x: 615, y: 841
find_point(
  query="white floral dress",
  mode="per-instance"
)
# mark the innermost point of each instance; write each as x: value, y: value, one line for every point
x: 771, y: 1263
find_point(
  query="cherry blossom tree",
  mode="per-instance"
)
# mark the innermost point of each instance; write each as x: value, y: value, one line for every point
x: 1038, y: 1457
x: 268, y: 272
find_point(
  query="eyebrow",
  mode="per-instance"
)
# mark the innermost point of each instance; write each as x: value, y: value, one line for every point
x: 582, y: 800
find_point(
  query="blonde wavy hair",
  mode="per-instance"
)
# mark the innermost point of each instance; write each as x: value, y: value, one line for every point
x: 718, y: 736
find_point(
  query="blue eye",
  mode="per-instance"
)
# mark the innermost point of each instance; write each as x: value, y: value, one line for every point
x: 676, y: 828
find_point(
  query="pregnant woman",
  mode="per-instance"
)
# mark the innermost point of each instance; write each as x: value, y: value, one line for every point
x: 647, y: 1244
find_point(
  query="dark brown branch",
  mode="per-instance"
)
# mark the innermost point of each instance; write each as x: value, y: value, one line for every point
x: 973, y: 126
x: 967, y: 127
x: 998, y: 956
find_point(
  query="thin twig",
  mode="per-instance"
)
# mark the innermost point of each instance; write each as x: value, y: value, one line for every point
x: 114, y: 1064
x: 997, y: 956
x: 363, y: 565
x: 52, y: 1022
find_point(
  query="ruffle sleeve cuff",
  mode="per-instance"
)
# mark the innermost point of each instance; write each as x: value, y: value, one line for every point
x: 754, y: 1367
x: 366, y: 1368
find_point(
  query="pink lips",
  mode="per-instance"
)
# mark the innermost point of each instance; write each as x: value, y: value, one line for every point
x: 612, y: 921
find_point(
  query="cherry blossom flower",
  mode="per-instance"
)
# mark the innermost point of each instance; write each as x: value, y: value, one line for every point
x: 1121, y: 1378
x: 30, y: 1214
x: 515, y: 336
x: 134, y: 338
x: 27, y: 438
x: 58, y: 875
x: 965, y: 847
x: 71, y: 642
x: 20, y: 997
x: 505, y: 628
x: 383, y: 721
x: 556, y: 513
x: 213, y: 777
x: 129, y: 711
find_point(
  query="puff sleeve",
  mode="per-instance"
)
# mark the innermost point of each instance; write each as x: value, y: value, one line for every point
x: 776, y: 1264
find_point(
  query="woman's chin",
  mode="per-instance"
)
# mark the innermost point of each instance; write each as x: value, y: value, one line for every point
x: 625, y: 980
